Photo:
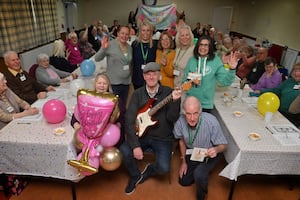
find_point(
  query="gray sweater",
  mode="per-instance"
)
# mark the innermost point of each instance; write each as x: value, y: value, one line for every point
x: 43, y: 77
x: 116, y: 61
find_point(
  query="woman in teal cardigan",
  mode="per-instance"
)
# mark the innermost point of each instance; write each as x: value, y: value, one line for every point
x: 208, y: 68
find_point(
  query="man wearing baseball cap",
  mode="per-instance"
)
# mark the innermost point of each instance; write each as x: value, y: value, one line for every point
x: 157, y: 137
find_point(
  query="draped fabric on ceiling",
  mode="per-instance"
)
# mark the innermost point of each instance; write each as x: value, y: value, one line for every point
x: 27, y: 24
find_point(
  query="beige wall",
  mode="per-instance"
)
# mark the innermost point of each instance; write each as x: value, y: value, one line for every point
x: 275, y: 20
x: 107, y: 10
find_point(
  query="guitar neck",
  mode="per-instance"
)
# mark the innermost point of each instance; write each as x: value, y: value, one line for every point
x: 160, y: 105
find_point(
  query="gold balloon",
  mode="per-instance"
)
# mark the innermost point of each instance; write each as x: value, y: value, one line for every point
x: 103, y: 95
x: 111, y: 159
x: 83, y: 165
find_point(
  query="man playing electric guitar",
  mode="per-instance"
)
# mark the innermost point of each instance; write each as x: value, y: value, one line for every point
x: 158, y: 137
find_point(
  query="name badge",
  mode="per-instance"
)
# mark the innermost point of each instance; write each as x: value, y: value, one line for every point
x: 22, y: 77
x: 296, y: 87
x: 10, y: 109
x: 198, y: 154
x: 126, y: 67
x: 176, y: 72
x: 143, y: 66
x: 188, y: 151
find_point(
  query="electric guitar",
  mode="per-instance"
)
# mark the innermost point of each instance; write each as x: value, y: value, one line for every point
x: 144, y: 116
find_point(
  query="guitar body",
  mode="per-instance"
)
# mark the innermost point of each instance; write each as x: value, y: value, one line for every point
x: 143, y: 118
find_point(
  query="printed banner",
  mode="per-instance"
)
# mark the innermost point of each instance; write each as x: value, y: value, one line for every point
x: 160, y: 16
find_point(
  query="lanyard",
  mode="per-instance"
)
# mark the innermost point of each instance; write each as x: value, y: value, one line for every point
x: 191, y: 141
x: 162, y: 54
x: 145, y: 55
x: 199, y: 66
x: 177, y: 57
x: 124, y: 56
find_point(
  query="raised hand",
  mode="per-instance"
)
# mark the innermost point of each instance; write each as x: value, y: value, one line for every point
x: 233, y: 60
x: 105, y: 42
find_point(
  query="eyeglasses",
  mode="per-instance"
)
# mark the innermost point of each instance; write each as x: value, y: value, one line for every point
x: 203, y: 45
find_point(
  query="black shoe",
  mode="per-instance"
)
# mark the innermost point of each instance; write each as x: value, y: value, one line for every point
x: 146, y: 172
x: 132, y: 183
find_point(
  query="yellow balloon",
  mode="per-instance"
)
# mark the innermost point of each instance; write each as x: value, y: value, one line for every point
x: 268, y: 102
x: 111, y: 159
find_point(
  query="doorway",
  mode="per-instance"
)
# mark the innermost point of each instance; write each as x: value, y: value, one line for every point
x: 222, y: 17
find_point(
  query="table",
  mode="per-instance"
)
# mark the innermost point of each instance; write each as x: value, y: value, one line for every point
x: 29, y: 146
x: 245, y: 156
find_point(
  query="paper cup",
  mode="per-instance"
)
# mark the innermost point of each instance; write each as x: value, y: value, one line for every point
x: 268, y: 117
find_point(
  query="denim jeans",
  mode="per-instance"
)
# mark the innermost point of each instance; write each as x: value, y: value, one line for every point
x: 121, y: 90
x: 198, y: 172
x: 161, y: 149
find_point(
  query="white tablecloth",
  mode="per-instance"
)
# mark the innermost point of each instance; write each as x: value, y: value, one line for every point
x: 246, y: 156
x: 29, y: 146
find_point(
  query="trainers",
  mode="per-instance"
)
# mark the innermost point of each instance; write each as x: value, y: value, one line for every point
x: 132, y: 184
x: 146, y: 172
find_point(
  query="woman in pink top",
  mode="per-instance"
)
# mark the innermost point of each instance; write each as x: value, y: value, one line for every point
x: 72, y: 48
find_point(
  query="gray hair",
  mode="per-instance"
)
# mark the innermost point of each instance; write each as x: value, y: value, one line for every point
x: 41, y: 57
x: 7, y: 54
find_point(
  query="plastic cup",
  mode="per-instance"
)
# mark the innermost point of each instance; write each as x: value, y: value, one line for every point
x: 268, y: 117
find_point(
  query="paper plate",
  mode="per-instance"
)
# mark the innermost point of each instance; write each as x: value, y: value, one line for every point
x: 238, y: 113
x: 254, y: 136
x: 59, y: 131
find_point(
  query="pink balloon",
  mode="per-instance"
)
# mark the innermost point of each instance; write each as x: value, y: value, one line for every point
x: 54, y: 111
x: 93, y: 155
x: 111, y: 136
x: 94, y: 114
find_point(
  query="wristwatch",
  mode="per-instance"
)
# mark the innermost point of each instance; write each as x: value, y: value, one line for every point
x: 149, y: 2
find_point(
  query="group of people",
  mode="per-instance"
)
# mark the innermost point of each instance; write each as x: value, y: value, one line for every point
x: 156, y: 69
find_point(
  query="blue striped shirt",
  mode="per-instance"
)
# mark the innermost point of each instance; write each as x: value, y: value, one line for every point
x: 209, y: 134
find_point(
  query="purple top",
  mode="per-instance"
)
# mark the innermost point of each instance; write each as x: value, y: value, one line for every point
x: 75, y: 56
x: 265, y: 82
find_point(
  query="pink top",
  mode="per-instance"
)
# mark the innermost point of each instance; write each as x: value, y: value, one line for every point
x: 75, y: 55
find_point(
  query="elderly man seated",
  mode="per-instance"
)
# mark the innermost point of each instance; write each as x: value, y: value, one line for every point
x: 20, y: 82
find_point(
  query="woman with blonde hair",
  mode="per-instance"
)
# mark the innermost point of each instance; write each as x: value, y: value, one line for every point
x: 184, y: 50
x: 59, y: 58
x: 143, y: 51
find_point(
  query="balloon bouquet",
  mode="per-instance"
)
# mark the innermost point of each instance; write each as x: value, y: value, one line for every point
x: 96, y: 113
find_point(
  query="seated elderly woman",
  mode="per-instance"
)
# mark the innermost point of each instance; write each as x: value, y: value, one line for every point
x: 270, y: 78
x: 75, y: 57
x: 11, y: 105
x: 247, y: 60
x: 288, y: 91
x: 48, y: 75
